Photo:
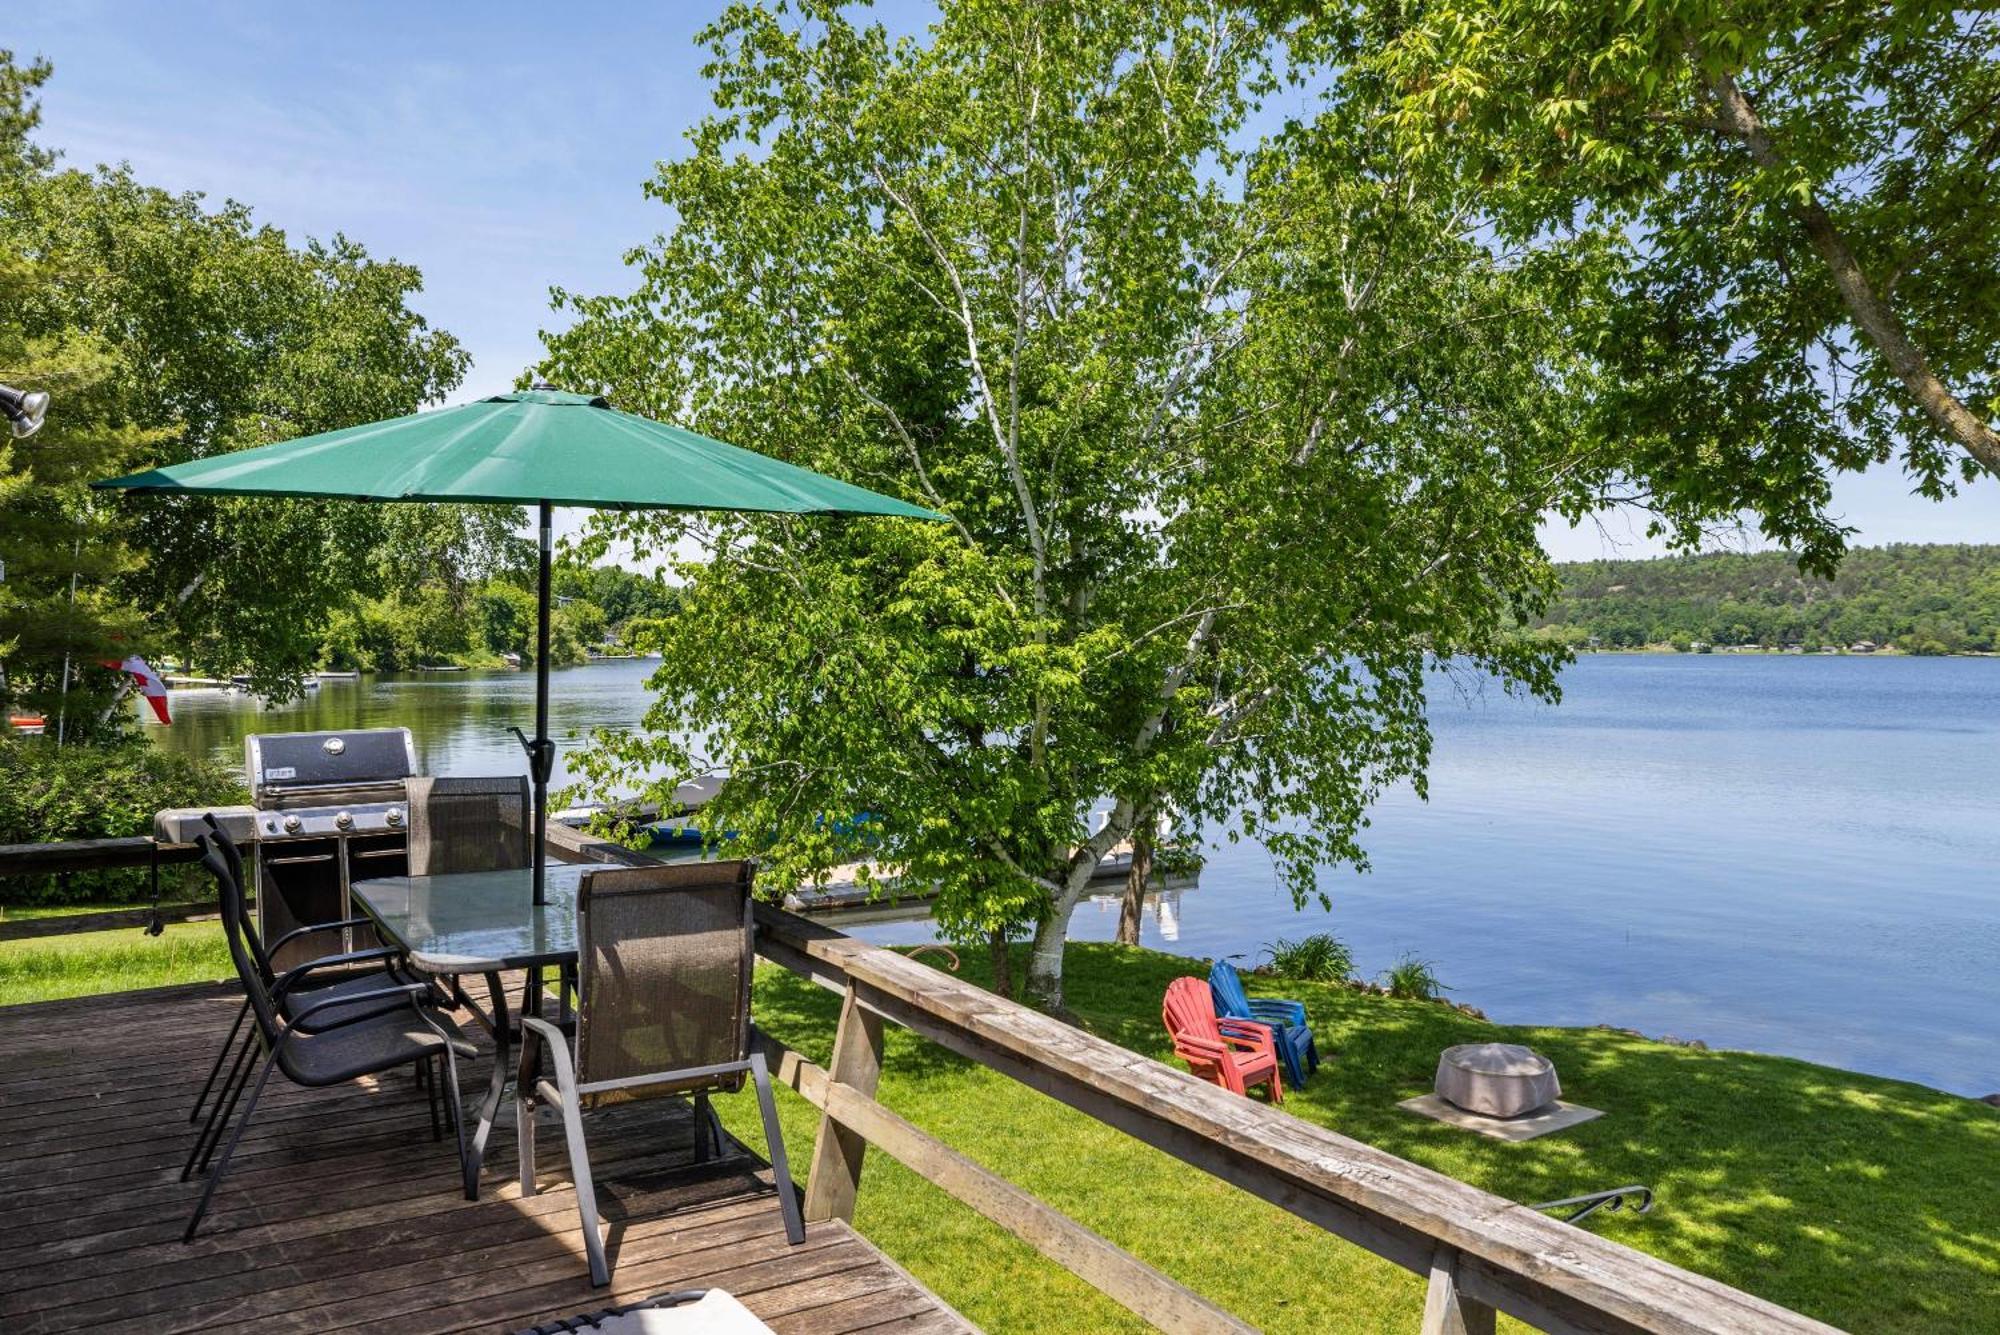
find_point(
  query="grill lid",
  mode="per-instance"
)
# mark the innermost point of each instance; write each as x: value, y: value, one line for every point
x: 285, y: 762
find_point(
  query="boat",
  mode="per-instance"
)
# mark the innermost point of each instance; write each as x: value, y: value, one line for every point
x: 340, y: 676
x: 28, y: 725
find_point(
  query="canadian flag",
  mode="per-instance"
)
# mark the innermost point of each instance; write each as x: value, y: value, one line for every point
x: 150, y: 684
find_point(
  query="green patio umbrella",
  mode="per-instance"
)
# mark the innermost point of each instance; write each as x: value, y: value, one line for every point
x: 541, y: 447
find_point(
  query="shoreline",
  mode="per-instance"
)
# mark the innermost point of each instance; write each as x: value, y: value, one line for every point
x: 1752, y: 650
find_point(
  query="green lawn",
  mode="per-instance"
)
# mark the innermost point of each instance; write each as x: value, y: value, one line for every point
x: 1864, y: 1202
x: 44, y: 968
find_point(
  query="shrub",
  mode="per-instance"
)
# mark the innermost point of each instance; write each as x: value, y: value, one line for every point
x: 1319, y: 958
x: 50, y: 793
x: 1413, y: 980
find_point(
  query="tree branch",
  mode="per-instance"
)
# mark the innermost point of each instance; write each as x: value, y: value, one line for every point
x: 1869, y: 311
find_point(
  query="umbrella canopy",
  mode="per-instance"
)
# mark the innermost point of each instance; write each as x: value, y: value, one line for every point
x: 534, y: 446
x: 541, y: 447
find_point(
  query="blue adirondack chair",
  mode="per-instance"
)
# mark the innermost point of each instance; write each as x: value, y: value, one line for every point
x: 1287, y: 1020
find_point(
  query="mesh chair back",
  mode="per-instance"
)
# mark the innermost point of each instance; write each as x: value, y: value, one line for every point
x: 234, y: 922
x: 235, y: 885
x: 664, y: 960
x: 471, y: 824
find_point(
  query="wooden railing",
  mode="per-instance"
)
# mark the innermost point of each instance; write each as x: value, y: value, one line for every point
x: 1479, y: 1253
x: 137, y: 853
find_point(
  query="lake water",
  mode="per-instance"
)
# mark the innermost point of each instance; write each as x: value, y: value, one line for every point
x: 1793, y: 855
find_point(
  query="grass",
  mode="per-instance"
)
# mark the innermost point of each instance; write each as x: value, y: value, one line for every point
x: 1844, y: 1196
x: 1857, y: 1200
x: 45, y: 968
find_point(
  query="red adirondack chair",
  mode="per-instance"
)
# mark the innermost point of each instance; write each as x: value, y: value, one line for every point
x: 1233, y: 1053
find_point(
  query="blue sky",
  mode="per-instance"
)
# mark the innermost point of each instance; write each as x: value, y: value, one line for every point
x: 500, y: 148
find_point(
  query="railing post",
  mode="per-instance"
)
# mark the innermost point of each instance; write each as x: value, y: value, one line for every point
x: 1446, y: 1310
x: 835, y: 1176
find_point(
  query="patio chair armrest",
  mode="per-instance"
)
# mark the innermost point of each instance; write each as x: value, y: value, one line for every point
x: 411, y: 991
x: 1253, y: 1034
x: 545, y: 1030
x: 292, y: 975
x: 1272, y: 1009
x: 1187, y: 1045
x: 557, y: 1043
x: 312, y: 927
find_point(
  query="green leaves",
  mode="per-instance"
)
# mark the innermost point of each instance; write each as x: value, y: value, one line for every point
x: 1799, y: 199
x: 1238, y: 439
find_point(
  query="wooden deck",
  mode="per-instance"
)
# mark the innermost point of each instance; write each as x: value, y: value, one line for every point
x: 341, y: 1213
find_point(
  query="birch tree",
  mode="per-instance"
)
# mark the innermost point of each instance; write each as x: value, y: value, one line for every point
x: 1238, y: 438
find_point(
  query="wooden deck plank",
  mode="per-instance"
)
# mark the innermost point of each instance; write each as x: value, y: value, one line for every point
x: 340, y: 1213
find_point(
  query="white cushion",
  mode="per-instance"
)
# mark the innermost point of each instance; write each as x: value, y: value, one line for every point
x: 717, y: 1313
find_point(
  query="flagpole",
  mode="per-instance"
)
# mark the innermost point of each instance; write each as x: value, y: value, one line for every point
x: 62, y: 696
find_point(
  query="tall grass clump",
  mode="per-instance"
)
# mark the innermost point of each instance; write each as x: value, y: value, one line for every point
x: 1319, y: 958
x: 1413, y: 979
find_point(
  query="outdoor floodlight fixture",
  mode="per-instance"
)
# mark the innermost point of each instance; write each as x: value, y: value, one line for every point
x: 25, y: 409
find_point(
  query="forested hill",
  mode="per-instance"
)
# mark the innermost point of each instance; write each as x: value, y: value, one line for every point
x: 1919, y: 599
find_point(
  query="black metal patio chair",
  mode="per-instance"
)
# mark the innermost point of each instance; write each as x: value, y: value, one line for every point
x: 348, y: 1038
x: 664, y: 957
x: 299, y: 988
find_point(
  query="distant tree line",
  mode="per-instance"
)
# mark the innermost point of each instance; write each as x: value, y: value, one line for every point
x: 490, y: 621
x: 1920, y: 599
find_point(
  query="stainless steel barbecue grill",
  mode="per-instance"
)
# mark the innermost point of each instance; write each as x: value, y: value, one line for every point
x: 328, y: 809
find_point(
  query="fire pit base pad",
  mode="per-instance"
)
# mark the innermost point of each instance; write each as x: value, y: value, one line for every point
x: 1558, y: 1116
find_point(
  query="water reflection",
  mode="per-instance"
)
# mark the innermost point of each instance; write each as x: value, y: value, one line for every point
x: 459, y: 720
x: 1788, y: 854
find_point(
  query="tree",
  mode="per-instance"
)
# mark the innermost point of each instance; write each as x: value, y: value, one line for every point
x: 1235, y: 445
x: 60, y: 609
x: 507, y: 615
x: 210, y: 333
x: 576, y: 630
x: 1800, y: 198
x: 59, y: 606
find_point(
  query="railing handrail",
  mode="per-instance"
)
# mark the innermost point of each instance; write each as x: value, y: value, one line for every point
x: 1545, y: 1272
x: 122, y: 853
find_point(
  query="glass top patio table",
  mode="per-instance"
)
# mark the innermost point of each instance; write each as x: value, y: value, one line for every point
x: 476, y: 922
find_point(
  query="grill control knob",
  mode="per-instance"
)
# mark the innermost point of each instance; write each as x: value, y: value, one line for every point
x: 395, y: 817
x: 343, y: 821
x: 270, y: 827
x: 293, y: 824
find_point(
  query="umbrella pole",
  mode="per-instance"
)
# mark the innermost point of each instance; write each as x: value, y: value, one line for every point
x: 541, y: 758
